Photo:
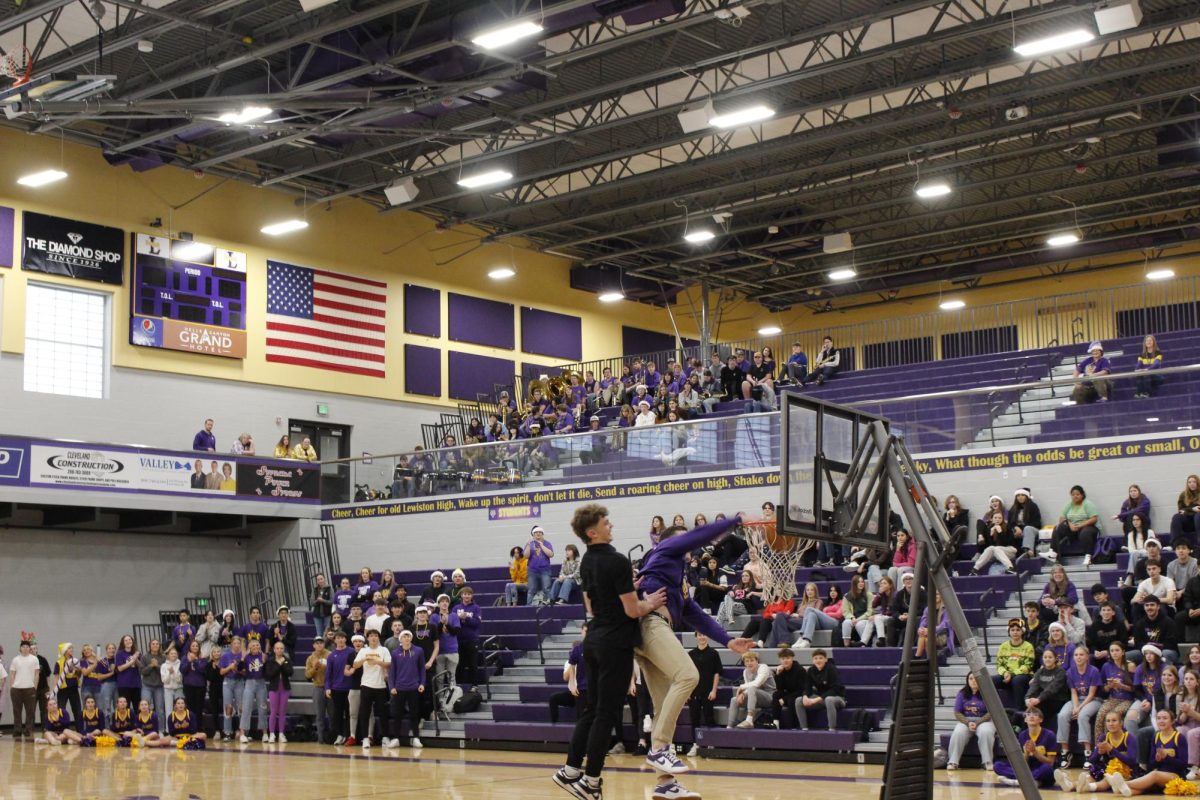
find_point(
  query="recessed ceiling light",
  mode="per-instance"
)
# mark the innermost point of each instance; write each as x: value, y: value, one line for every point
x: 843, y: 274
x: 1151, y: 419
x: 610, y: 297
x: 42, y: 178
x: 770, y: 330
x: 1063, y: 239
x: 1160, y: 274
x: 699, y: 236
x: 1050, y: 44
x: 500, y: 273
x: 952, y: 305
x: 246, y: 115
x: 287, y: 226
x: 485, y: 178
x: 743, y: 116
x: 502, y: 37
x: 934, y: 189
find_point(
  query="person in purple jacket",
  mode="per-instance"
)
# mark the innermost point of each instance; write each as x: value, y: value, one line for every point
x: 128, y: 663
x: 668, y: 670
x: 255, y: 630
x: 1135, y: 503
x: 195, y: 681
x: 183, y: 633
x: 1039, y: 747
x: 338, y: 685
x: 539, y: 552
x: 470, y: 617
x: 1168, y: 757
x: 406, y: 684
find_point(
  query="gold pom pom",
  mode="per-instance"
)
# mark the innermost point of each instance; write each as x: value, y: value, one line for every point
x: 1178, y: 787
x: 1117, y: 765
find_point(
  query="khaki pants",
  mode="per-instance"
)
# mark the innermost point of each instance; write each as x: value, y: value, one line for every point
x: 669, y: 674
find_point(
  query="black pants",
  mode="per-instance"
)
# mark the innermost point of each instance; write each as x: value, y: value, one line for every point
x: 1085, y: 536
x: 609, y: 670
x: 215, y: 708
x: 70, y: 697
x: 406, y: 705
x: 1185, y: 526
x: 560, y: 699
x: 468, y: 660
x: 339, y: 717
x: 132, y: 696
x: 194, y: 697
x: 619, y: 726
x: 373, y: 702
x: 700, y: 707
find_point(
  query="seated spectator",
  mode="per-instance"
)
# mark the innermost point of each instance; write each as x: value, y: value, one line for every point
x: 1026, y: 520
x: 1058, y: 586
x: 1168, y: 761
x: 1181, y: 569
x: 1057, y: 642
x: 954, y: 516
x: 904, y: 556
x: 827, y: 362
x: 857, y: 628
x: 568, y: 576
x: 900, y: 609
x: 1186, y: 522
x: 205, y: 440
x: 1149, y: 360
x: 1139, y: 534
x: 939, y: 630
x: 1137, y: 573
x: 1079, y: 522
x: 881, y: 609
x: 1171, y: 696
x: 827, y: 618
x: 1187, y: 613
x: 1147, y: 684
x: 1014, y: 666
x: 1156, y: 585
x: 1083, y: 683
x: 1156, y: 629
x: 983, y: 525
x: 1040, y: 751
x: 790, y: 683
x: 759, y: 383
x: 744, y: 597
x: 1117, y: 692
x: 823, y: 687
x: 243, y: 445
x: 732, y: 378
x: 797, y: 364
x: 971, y: 719
x: 869, y: 563
x: 575, y: 676
x: 711, y: 591
x: 1037, y: 633
x: 305, y: 451
x: 1135, y: 503
x: 1000, y: 546
x: 689, y: 396
x: 1104, y: 631
x: 1116, y: 752
x: 753, y: 693
x: 761, y: 628
x: 1099, y: 594
x: 1074, y: 628
x: 645, y: 417
x: 1048, y: 686
x: 1091, y: 377
x: 708, y: 666
x: 518, y: 576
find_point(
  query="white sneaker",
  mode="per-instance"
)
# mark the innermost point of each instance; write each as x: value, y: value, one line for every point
x: 1193, y: 773
x: 674, y: 791
x: 1063, y: 780
x: 746, y: 723
x: 269, y: 739
x: 1117, y: 781
x: 339, y: 740
x: 1008, y: 781
x: 1050, y: 555
x: 695, y: 751
x: 245, y: 739
x: 801, y: 644
x: 367, y: 743
x: 1087, y: 560
x: 416, y: 743
x: 647, y: 724
x: 282, y: 739
x: 617, y: 749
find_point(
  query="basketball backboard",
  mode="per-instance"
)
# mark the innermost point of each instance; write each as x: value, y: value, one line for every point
x: 818, y: 444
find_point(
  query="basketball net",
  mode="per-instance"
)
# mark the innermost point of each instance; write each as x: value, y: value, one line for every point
x: 780, y: 557
x: 20, y: 70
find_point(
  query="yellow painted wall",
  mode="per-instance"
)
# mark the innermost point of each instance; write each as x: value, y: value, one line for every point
x: 350, y: 237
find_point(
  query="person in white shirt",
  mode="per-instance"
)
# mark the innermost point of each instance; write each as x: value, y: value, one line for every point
x: 3, y: 680
x: 378, y: 618
x: 25, y: 671
x: 1073, y: 626
x: 754, y: 693
x: 374, y: 703
x: 645, y: 415
x: 1156, y: 584
x: 172, y: 677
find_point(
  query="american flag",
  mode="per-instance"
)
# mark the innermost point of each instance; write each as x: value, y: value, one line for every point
x: 324, y: 320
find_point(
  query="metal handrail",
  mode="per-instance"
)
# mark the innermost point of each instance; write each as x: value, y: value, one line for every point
x: 983, y: 601
x: 539, y: 622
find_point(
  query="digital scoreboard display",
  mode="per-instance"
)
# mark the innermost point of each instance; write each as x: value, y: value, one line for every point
x: 188, y: 296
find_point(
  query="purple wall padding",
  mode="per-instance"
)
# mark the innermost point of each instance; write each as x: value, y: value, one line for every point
x: 422, y: 370
x: 6, y: 236
x: 637, y: 341
x: 480, y: 321
x: 548, y: 334
x: 471, y: 375
x: 422, y: 310
x: 531, y: 371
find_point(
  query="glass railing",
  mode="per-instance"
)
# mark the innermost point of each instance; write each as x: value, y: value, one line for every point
x: 1002, y: 416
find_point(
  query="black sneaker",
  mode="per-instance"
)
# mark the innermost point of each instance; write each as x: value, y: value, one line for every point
x: 578, y: 787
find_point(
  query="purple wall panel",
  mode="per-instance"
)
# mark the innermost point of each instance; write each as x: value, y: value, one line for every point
x: 531, y: 371
x: 422, y: 310
x: 548, y: 334
x: 635, y: 341
x: 422, y: 370
x: 480, y: 321
x: 6, y: 236
x: 471, y: 375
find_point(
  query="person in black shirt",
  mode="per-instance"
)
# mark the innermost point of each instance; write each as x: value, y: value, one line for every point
x: 708, y: 664
x: 761, y: 376
x: 732, y: 378
x: 1104, y: 631
x: 791, y: 685
x: 613, y: 631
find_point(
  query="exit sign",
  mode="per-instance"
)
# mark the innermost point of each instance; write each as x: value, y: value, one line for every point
x: 322, y: 409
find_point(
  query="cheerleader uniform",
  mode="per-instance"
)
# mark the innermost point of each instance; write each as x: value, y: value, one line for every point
x: 145, y: 724
x: 56, y: 724
x: 1042, y: 773
x: 1174, y: 748
x: 178, y: 726
x: 122, y: 724
x: 92, y: 725
x: 1124, y: 752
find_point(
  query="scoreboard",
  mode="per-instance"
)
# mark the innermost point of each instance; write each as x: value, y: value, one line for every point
x: 187, y: 296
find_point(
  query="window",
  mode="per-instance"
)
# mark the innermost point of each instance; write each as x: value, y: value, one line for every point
x: 66, y: 341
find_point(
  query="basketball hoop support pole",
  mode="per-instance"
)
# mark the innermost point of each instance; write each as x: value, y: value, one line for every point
x: 930, y: 533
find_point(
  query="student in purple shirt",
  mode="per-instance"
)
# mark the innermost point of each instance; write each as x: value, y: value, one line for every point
x: 539, y: 552
x: 89, y: 685
x: 91, y: 721
x: 343, y: 598
x: 254, y: 696
x: 338, y: 685
x: 1039, y: 747
x: 365, y: 589
x: 652, y: 378
x: 447, y: 626
x: 183, y: 633
x: 470, y: 617
x: 106, y: 672
x: 255, y: 630
x: 129, y: 679
x: 193, y: 668
x: 1084, y: 683
x: 204, y: 438
x: 406, y: 684
x: 1168, y: 759
x: 233, y: 684
x: 1091, y: 376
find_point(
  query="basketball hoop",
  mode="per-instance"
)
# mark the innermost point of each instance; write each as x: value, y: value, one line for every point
x: 18, y: 70
x: 779, y: 555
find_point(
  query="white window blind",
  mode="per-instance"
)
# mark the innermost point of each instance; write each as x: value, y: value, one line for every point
x: 66, y: 341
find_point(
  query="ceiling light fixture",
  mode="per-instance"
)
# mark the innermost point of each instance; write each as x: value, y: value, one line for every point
x: 610, y: 297
x: 506, y: 35
x: 489, y: 178
x: 952, y: 305
x: 743, y: 116
x: 928, y: 191
x: 1051, y: 44
x: 502, y: 273
x: 245, y: 116
x: 1151, y: 419
x: 1160, y: 274
x: 42, y: 178
x: 770, y: 330
x: 699, y: 236
x: 844, y: 274
x: 1063, y: 239
x: 286, y: 226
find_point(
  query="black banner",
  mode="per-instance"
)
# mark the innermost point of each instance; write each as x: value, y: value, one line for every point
x: 75, y: 249
x: 279, y: 479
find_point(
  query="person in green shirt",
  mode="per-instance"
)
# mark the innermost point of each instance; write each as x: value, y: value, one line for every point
x: 1014, y: 666
x: 1079, y: 522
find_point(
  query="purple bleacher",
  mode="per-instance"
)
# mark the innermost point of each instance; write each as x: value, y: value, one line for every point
x: 540, y: 713
x: 757, y: 739
x: 490, y: 731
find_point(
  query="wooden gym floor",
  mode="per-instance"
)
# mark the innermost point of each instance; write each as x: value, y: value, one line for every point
x: 309, y: 772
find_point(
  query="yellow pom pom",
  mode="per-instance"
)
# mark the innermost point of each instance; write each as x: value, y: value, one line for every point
x: 1117, y: 765
x: 105, y: 741
x: 1178, y: 787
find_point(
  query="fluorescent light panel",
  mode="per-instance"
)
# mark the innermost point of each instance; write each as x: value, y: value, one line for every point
x: 500, y: 273
x: 743, y: 116
x: 1051, y: 44
x: 502, y: 37
x: 770, y: 330
x: 1063, y: 239
x: 287, y: 226
x: 842, y: 274
x: 610, y: 297
x: 952, y: 305
x: 934, y: 189
x: 1160, y: 274
x: 42, y: 178
x: 699, y: 236
x: 246, y: 115
x: 488, y: 178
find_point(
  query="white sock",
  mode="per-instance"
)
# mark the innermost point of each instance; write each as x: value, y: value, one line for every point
x: 572, y: 772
